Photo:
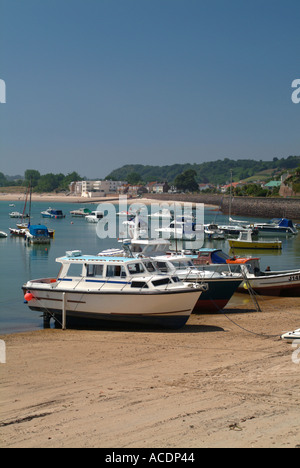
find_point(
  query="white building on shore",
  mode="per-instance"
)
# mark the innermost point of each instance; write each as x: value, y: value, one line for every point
x: 95, y: 188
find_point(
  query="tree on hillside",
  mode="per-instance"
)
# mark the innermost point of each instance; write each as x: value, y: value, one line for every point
x: 134, y: 178
x: 33, y: 176
x: 3, y: 181
x: 187, y: 181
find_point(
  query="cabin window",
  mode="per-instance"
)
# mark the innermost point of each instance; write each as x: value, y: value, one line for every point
x: 139, y: 284
x: 161, y: 282
x: 135, y: 268
x: 115, y: 271
x: 95, y: 271
x: 175, y: 279
x: 75, y: 270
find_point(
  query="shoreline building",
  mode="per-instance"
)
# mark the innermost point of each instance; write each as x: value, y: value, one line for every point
x: 95, y: 188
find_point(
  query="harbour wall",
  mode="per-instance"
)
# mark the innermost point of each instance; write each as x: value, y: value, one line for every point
x: 241, y: 206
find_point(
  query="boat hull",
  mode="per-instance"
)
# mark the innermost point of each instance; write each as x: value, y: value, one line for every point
x: 236, y: 244
x: 275, y: 232
x: 219, y: 293
x: 284, y: 285
x: 38, y: 240
x: 170, y: 309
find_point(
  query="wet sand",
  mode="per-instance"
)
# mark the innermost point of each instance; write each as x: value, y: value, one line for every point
x: 221, y: 381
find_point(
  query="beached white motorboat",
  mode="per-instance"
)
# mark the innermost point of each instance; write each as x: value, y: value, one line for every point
x: 292, y: 336
x: 94, y: 217
x: 113, y: 289
x: 276, y: 283
x: 284, y: 283
x: 221, y: 285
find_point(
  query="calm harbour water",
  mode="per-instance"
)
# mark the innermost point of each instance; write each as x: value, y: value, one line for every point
x: 19, y: 262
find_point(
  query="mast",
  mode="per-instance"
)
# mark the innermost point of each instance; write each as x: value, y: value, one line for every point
x: 25, y: 204
x: 230, y: 200
x: 30, y: 193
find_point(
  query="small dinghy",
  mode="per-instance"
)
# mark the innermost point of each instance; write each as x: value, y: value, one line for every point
x: 292, y: 336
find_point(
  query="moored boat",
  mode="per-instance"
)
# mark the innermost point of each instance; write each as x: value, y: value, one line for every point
x: 178, y: 229
x: 80, y: 213
x: 94, y: 217
x: 245, y: 241
x: 277, y: 227
x: 54, y: 214
x: 3, y: 235
x: 113, y: 289
x: 16, y: 214
x: 37, y: 234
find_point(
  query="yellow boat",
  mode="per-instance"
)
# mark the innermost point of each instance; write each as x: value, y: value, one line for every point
x: 245, y: 241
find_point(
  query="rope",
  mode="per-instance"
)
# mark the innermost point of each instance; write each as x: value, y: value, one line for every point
x: 240, y: 326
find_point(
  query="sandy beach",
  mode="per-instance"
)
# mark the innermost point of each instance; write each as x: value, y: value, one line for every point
x: 52, y: 198
x: 62, y: 198
x: 221, y: 381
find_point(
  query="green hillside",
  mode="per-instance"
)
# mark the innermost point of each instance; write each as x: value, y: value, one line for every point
x: 216, y: 172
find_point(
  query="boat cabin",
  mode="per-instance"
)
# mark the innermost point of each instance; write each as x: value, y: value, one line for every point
x: 116, y: 272
x: 218, y: 257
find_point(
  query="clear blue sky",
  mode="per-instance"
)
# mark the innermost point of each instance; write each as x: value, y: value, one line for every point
x: 95, y: 84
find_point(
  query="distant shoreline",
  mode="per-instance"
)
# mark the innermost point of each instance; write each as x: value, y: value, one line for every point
x: 61, y: 198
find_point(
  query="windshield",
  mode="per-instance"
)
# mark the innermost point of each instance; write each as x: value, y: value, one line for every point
x: 219, y: 257
x: 182, y: 264
x: 150, y: 267
x: 135, y: 268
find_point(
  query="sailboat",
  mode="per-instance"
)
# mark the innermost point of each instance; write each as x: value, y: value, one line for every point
x: 232, y: 229
x: 22, y: 227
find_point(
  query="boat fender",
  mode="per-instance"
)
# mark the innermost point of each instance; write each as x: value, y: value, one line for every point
x: 28, y: 296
